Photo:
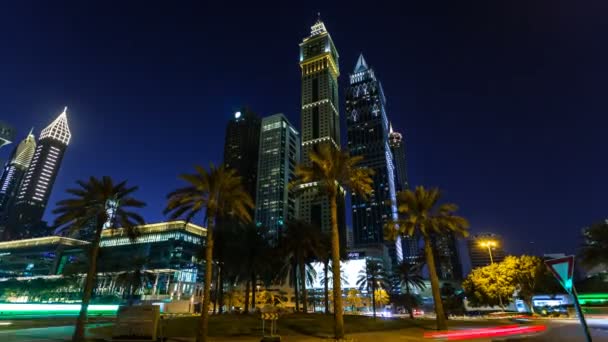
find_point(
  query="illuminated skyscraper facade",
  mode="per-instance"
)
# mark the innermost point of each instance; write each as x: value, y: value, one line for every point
x: 277, y: 160
x: 368, y: 133
x: 241, y: 148
x: 13, y: 173
x: 320, y: 119
x: 33, y: 194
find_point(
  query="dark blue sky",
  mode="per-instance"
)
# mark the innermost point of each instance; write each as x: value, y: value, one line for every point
x: 503, y: 104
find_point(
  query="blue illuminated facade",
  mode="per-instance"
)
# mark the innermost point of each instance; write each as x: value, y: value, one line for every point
x: 368, y: 136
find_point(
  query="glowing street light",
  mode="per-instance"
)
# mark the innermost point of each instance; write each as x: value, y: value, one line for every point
x: 489, y: 244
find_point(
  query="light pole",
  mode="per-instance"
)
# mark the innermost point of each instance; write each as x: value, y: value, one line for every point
x: 489, y: 244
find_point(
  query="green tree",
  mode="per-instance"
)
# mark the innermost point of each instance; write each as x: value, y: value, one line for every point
x: 422, y: 215
x: 301, y: 243
x: 372, y: 278
x: 489, y: 286
x: 527, y: 273
x: 329, y: 168
x: 409, y: 277
x: 219, y: 192
x: 105, y: 204
x: 594, y: 251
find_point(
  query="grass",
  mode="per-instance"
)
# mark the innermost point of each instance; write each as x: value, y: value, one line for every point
x: 315, y: 325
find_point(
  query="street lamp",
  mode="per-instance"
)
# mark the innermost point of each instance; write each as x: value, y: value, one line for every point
x: 489, y: 244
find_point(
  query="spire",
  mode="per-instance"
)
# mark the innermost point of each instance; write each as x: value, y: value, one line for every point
x: 361, y: 65
x: 390, y: 127
x: 25, y: 151
x: 58, y: 129
x: 318, y: 28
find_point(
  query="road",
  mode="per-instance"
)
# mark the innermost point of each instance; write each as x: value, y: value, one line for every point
x: 571, y: 331
x: 61, y: 333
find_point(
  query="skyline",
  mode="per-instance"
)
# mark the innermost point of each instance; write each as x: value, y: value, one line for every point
x: 494, y: 140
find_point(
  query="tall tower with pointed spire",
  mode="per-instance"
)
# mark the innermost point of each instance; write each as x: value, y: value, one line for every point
x: 32, y: 197
x: 368, y: 132
x: 13, y: 173
x: 320, y: 117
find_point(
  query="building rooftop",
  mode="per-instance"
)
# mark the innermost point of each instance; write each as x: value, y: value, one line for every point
x: 159, y: 228
x: 42, y: 241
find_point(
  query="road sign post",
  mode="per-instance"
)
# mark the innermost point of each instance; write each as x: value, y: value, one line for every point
x: 563, y: 270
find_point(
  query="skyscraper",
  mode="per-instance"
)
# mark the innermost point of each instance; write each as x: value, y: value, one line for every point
x: 481, y: 245
x: 447, y: 257
x: 32, y: 197
x: 241, y: 148
x: 7, y: 134
x: 368, y: 133
x: 277, y: 160
x: 13, y: 173
x: 398, y: 150
x: 320, y: 119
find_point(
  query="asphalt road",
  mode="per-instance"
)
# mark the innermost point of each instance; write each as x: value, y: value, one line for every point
x: 570, y: 331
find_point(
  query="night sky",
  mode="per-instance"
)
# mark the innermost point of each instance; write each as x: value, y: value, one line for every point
x: 502, y: 103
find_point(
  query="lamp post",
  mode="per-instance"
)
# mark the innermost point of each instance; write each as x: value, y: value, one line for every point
x: 490, y: 244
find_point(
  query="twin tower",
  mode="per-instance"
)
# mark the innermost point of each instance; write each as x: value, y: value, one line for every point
x: 369, y: 134
x: 27, y: 180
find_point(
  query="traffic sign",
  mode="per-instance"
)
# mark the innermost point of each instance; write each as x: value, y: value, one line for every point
x: 563, y: 270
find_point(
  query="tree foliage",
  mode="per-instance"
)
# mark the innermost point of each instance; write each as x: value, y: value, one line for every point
x: 524, y: 276
x: 594, y: 251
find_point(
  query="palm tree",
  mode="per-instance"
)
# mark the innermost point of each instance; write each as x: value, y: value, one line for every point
x: 329, y: 168
x: 219, y: 192
x: 327, y: 279
x: 372, y: 278
x: 409, y: 276
x: 102, y: 203
x: 594, y: 250
x: 421, y: 214
x: 301, y: 242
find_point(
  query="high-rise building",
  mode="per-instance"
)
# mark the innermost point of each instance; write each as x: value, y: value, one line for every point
x: 481, y: 246
x: 277, y: 160
x: 7, y: 134
x: 320, y: 119
x: 241, y: 148
x: 410, y: 244
x: 25, y: 216
x: 398, y: 150
x: 447, y: 257
x: 368, y: 133
x: 13, y: 173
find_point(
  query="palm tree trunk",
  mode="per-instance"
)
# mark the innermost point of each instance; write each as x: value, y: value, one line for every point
x: 220, y: 289
x: 335, y: 258
x: 253, y: 292
x: 430, y: 261
x: 303, y: 286
x: 408, y: 300
x: 295, y: 286
x: 204, y: 323
x: 326, y: 285
x: 247, y: 296
x: 88, y: 288
x: 374, y: 297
